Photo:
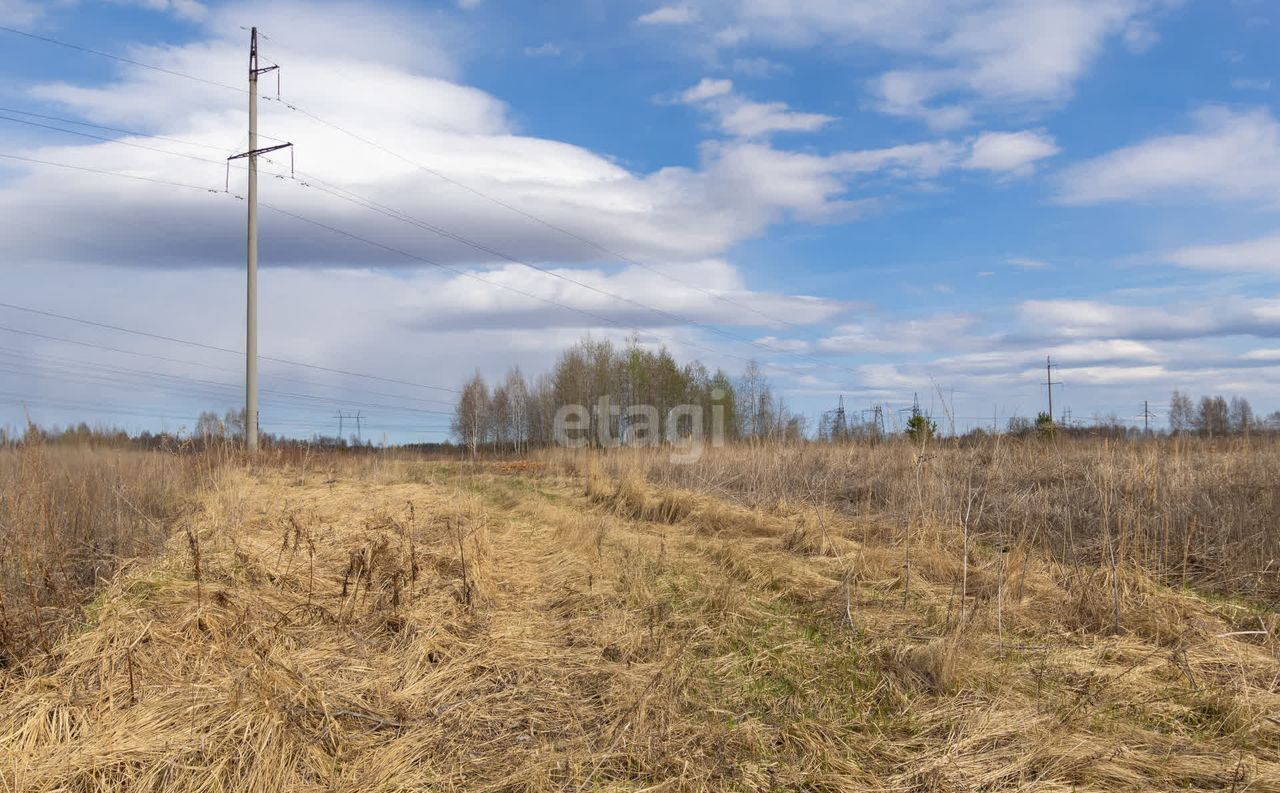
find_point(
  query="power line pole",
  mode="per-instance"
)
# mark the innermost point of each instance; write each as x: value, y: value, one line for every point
x: 340, y: 417
x: 251, y: 283
x: 359, y: 435
x: 1146, y: 417
x: 1050, y: 382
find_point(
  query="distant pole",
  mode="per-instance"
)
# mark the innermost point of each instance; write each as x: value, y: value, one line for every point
x: 1146, y: 415
x: 1048, y: 369
x: 1050, y: 382
x: 251, y: 305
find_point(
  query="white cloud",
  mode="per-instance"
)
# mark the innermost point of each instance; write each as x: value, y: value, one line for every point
x: 754, y: 119
x: 1271, y: 354
x: 707, y: 88
x: 546, y: 50
x: 930, y: 334
x: 1258, y: 255
x: 670, y: 216
x: 20, y: 13
x: 1010, y: 152
x: 423, y: 326
x: 1090, y: 319
x: 1028, y: 264
x: 1087, y: 353
x: 1230, y: 155
x: 185, y: 9
x: 669, y: 15
x: 789, y: 345
x: 1113, y: 375
x: 757, y: 67
x: 966, y: 55
x: 1251, y: 84
x: 907, y: 93
x: 746, y: 119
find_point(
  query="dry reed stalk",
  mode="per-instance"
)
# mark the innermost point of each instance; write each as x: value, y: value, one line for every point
x: 662, y: 655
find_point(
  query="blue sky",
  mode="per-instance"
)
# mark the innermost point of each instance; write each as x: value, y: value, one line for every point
x: 921, y: 196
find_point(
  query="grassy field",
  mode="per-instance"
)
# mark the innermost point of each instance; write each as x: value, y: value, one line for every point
x: 1002, y: 617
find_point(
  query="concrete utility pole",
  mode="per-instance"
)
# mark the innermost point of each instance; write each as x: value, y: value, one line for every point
x: 1049, y: 381
x: 251, y: 304
x: 251, y: 291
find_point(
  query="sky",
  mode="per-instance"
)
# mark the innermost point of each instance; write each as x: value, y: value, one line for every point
x: 880, y: 200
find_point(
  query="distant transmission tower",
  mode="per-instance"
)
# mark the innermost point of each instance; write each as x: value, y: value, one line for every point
x: 840, y: 427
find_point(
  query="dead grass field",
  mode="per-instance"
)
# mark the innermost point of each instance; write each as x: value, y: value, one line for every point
x: 596, y: 624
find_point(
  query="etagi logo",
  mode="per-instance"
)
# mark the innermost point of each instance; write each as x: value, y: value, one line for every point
x: 610, y: 425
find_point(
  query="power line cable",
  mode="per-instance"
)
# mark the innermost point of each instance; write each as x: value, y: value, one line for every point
x: 328, y: 401
x: 129, y: 132
x: 120, y: 58
x: 201, y: 345
x: 438, y: 174
x: 187, y: 362
x: 399, y: 215
x: 524, y: 213
x: 389, y: 248
x: 100, y: 172
x: 396, y: 214
x: 115, y: 141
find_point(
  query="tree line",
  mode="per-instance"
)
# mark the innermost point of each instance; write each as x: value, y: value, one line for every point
x: 1213, y: 416
x: 519, y: 413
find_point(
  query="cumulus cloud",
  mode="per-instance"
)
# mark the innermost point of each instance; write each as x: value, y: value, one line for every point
x: 1257, y: 255
x: 1028, y: 264
x: 1229, y: 155
x: 707, y: 88
x: 1010, y: 152
x: 20, y: 13
x: 962, y: 56
x: 928, y: 334
x: 517, y: 298
x: 1091, y: 319
x: 186, y: 9
x: 363, y: 320
x: 546, y: 50
x: 743, y: 118
x: 670, y: 215
x: 669, y: 15
x: 1093, y: 352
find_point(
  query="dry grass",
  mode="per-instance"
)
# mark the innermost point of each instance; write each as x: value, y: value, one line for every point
x: 69, y: 518
x: 1188, y: 511
x: 388, y: 625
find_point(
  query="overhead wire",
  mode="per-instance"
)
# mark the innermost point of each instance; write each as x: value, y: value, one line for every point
x: 399, y: 215
x: 215, y: 348
x: 434, y: 172
x: 229, y: 386
x: 187, y: 362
